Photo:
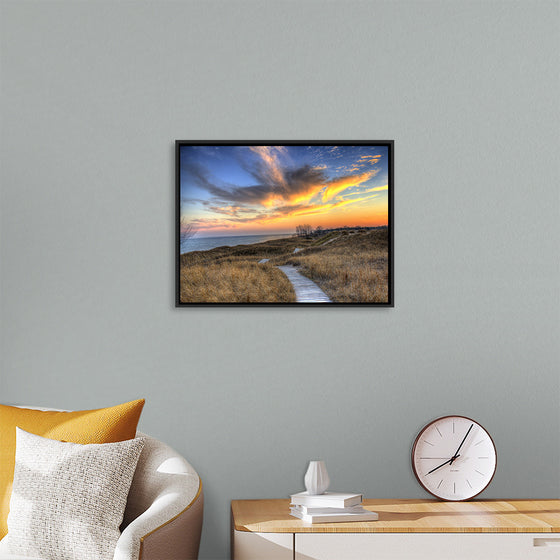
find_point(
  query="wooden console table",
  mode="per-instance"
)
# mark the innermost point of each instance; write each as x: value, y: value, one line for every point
x: 406, y: 529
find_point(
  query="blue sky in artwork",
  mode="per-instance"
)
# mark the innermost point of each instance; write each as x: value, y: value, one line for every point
x: 228, y: 190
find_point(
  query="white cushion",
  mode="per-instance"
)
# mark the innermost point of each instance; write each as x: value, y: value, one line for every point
x: 14, y: 557
x: 5, y: 555
x: 68, y: 500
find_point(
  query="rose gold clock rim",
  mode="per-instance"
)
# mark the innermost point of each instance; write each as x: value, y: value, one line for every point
x: 414, y: 449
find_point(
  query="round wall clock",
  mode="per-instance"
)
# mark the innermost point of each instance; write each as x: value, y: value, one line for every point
x: 454, y: 458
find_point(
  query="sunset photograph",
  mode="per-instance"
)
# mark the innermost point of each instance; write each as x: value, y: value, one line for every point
x: 287, y: 223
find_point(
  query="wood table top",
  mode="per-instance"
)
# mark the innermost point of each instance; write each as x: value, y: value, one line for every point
x: 409, y: 516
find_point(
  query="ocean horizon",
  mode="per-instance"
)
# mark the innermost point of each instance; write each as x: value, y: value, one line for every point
x: 206, y: 243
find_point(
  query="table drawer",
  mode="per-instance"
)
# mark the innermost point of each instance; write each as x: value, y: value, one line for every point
x: 262, y: 546
x: 427, y: 546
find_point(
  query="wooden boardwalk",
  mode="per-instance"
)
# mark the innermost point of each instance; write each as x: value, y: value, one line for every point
x: 306, y: 290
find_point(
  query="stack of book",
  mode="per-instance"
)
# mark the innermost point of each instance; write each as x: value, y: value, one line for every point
x: 330, y: 507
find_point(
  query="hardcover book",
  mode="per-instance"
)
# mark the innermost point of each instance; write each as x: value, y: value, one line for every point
x: 363, y: 515
x: 328, y: 499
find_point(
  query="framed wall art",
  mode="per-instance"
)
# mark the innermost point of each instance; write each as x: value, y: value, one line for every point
x: 284, y: 223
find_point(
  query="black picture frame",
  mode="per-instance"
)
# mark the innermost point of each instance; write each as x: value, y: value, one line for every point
x: 344, y: 145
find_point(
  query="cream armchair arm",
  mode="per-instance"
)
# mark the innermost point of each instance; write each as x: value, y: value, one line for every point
x: 163, y: 517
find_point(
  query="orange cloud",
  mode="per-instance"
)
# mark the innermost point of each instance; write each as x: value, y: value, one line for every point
x: 369, y: 159
x: 305, y: 196
x: 338, y: 185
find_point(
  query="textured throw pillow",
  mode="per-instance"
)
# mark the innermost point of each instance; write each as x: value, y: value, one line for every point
x: 104, y: 425
x: 68, y: 499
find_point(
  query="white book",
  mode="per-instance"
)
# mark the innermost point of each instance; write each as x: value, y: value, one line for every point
x: 328, y: 499
x: 365, y: 515
x: 312, y: 510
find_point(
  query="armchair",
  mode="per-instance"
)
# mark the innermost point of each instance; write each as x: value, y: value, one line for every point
x: 163, y: 516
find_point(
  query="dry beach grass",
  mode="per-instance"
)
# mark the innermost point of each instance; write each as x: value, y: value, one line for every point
x: 350, y: 267
x: 239, y: 281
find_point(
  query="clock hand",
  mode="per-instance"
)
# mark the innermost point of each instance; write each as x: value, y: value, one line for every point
x: 461, y: 445
x: 443, y: 464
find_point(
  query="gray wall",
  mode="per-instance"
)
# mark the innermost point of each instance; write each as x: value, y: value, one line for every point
x: 93, y: 96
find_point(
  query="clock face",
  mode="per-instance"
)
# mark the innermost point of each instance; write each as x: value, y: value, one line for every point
x: 454, y: 458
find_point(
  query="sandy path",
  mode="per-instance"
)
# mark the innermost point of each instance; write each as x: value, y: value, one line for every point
x: 306, y: 290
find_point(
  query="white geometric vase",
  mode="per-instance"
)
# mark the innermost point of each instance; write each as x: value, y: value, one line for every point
x: 316, y: 478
